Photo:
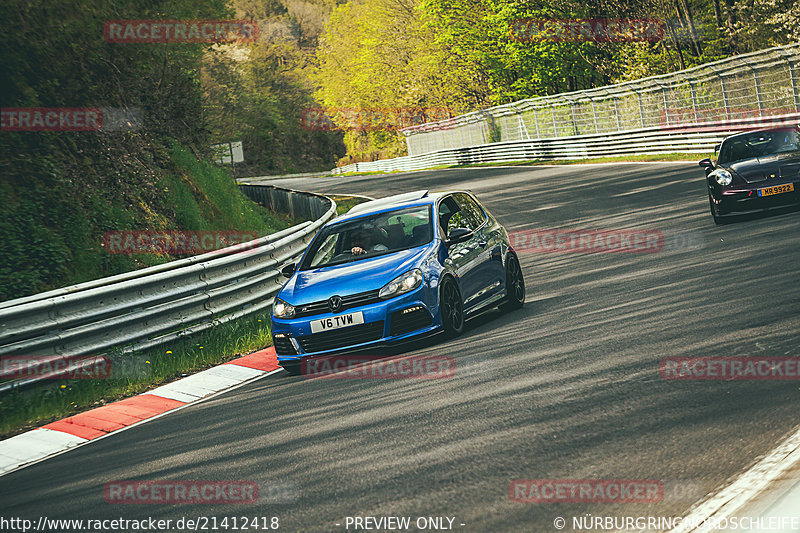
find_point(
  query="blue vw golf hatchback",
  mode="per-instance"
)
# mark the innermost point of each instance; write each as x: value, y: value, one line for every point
x: 393, y: 269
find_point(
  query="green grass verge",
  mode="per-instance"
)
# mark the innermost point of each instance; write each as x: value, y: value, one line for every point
x: 133, y: 374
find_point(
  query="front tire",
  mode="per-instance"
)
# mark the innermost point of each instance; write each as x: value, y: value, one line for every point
x: 515, y: 285
x: 452, y: 309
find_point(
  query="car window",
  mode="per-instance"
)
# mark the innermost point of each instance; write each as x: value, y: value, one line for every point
x: 471, y: 210
x: 451, y: 216
x: 369, y: 236
x: 326, y: 250
x: 759, y: 144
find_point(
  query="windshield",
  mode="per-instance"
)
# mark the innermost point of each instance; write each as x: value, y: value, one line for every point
x: 370, y: 236
x: 759, y: 144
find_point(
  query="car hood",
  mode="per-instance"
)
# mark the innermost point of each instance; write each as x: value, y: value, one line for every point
x: 307, y: 286
x: 783, y: 166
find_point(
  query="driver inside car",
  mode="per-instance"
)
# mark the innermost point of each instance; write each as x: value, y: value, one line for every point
x: 364, y: 240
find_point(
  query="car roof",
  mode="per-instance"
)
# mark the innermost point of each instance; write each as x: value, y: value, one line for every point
x: 765, y: 130
x: 410, y: 199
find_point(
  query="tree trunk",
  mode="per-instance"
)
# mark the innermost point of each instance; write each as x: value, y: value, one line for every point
x: 730, y: 6
x: 718, y: 15
x: 677, y: 46
x: 688, y: 13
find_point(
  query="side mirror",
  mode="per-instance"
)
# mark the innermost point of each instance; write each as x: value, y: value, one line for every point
x: 706, y: 163
x: 288, y: 270
x: 458, y: 235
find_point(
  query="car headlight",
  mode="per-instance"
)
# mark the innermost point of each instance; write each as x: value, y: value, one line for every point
x: 281, y: 309
x: 402, y: 284
x: 722, y: 176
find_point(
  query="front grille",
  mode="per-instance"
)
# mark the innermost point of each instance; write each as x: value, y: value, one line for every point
x: 348, y: 302
x: 339, y: 338
x: 283, y: 345
x: 409, y: 320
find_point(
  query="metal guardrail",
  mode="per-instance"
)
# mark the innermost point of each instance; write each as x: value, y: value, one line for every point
x: 691, y: 138
x: 757, y: 84
x: 152, y: 306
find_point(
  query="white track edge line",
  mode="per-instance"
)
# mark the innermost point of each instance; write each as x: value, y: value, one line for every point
x: 747, y: 486
x: 115, y: 432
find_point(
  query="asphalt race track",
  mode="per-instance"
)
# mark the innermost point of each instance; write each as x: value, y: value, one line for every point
x: 566, y: 388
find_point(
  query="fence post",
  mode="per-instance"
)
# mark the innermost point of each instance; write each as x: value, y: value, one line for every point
x: 571, y: 105
x: 694, y: 101
x: 641, y: 107
x: 725, y: 98
x: 522, y: 126
x: 759, y: 96
x: 666, y: 106
x: 617, y: 114
x: 555, y: 123
x: 594, y: 114
x: 536, y: 121
x: 795, y: 85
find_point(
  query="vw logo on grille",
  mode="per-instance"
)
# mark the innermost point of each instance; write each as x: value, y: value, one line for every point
x: 335, y: 303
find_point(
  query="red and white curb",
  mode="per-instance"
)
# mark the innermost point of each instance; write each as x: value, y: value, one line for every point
x: 57, y: 437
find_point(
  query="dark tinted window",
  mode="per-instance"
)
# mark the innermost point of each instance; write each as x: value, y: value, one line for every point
x: 758, y: 144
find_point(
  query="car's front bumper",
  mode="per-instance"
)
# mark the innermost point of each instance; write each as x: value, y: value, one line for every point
x: 746, y: 198
x: 385, y: 322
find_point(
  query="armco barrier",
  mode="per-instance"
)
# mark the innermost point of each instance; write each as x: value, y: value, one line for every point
x: 687, y: 138
x: 152, y: 306
x: 766, y: 82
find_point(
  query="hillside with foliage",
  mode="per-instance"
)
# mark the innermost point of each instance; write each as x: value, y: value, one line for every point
x: 60, y: 192
x: 464, y: 55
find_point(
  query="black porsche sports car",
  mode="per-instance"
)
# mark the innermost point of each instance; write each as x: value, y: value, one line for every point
x: 754, y: 170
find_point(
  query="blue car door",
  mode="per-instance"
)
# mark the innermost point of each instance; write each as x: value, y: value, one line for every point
x: 462, y: 257
x: 488, y: 272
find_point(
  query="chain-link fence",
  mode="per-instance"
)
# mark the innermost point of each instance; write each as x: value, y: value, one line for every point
x: 759, y: 84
